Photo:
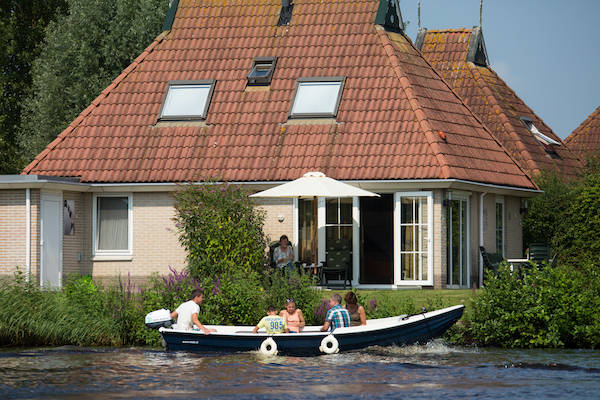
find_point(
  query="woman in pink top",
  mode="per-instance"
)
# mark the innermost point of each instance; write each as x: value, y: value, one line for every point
x: 293, y: 316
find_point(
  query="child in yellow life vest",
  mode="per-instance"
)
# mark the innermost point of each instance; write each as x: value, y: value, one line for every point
x: 273, y: 323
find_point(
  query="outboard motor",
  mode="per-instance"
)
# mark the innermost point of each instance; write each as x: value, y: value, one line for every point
x: 159, y: 318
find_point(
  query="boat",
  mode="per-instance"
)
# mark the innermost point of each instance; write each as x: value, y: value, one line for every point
x: 399, y: 330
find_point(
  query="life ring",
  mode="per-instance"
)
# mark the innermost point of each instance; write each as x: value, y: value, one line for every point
x: 329, y: 345
x: 268, y: 347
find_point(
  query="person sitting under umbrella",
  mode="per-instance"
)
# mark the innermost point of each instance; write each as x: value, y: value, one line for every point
x: 283, y: 255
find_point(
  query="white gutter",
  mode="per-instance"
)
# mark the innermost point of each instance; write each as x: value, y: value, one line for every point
x: 28, y: 234
x: 481, y: 196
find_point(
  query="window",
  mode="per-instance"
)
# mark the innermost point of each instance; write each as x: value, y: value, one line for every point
x: 500, y: 226
x: 112, y: 225
x: 457, y: 240
x: 186, y: 100
x: 317, y: 97
x: 414, y: 257
x: 537, y: 134
x: 262, y: 71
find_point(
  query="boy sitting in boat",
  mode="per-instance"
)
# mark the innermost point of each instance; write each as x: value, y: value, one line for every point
x: 187, y: 313
x: 337, y: 316
x: 272, y: 323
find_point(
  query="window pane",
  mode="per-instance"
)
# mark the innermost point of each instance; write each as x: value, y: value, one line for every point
x: 316, y: 98
x: 112, y: 223
x: 407, y: 238
x: 331, y: 211
x: 305, y: 226
x: 406, y: 210
x: 407, y: 266
x: 346, y: 210
x: 186, y: 100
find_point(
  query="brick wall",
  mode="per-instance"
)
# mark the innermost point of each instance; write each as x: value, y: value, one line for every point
x: 13, y: 232
x: 275, y: 208
x: 439, y: 240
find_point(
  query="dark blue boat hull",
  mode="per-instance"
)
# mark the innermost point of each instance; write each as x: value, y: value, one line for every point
x: 418, y: 330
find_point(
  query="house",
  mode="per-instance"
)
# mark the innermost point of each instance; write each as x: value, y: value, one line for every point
x: 585, y: 140
x: 461, y: 57
x: 258, y: 93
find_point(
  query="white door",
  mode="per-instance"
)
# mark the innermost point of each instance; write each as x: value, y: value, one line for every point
x: 51, y: 240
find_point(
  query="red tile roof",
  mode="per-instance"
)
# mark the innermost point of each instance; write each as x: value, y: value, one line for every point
x: 495, y: 102
x: 397, y: 118
x: 585, y: 140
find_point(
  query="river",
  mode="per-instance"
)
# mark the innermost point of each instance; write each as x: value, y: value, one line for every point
x: 417, y: 372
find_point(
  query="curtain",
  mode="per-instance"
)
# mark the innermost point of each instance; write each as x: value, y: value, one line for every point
x: 113, y: 223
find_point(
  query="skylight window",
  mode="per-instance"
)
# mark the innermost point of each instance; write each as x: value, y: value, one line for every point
x: 187, y: 100
x: 262, y: 71
x: 537, y: 134
x: 317, y: 97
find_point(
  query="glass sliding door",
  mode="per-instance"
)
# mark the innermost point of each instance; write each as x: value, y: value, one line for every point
x: 413, y: 238
x: 305, y: 231
x: 500, y: 226
x: 338, y: 233
x: 457, y: 229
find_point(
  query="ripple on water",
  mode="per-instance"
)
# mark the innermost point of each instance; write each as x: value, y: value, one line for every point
x: 432, y: 370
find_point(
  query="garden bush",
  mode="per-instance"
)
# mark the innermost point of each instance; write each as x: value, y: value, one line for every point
x: 540, y: 307
x: 220, y: 228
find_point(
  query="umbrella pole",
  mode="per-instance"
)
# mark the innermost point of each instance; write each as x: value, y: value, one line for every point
x: 315, y: 231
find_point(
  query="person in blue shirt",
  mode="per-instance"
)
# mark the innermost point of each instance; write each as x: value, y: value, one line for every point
x: 337, y: 316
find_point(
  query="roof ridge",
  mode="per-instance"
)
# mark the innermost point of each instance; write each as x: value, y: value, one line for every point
x: 585, y: 122
x: 412, y: 99
x: 485, y: 128
x: 449, y: 30
x: 71, y: 127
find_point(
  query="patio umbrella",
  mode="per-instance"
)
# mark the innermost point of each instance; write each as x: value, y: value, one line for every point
x: 314, y: 184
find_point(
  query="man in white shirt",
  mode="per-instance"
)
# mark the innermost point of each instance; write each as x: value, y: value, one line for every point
x: 187, y: 313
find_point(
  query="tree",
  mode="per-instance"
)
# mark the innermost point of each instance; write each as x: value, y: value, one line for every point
x: 22, y: 24
x: 220, y: 229
x: 82, y: 53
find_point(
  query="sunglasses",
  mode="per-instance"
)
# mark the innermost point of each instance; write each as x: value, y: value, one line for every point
x: 290, y: 301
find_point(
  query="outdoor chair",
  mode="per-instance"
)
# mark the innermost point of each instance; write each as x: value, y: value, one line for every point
x: 491, y: 261
x: 338, y: 262
x: 539, y: 252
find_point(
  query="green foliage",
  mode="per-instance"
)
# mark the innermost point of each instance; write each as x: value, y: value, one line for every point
x: 220, y: 228
x: 83, y: 51
x: 546, y: 211
x: 297, y: 285
x: 22, y: 24
x: 538, y: 307
x: 30, y: 316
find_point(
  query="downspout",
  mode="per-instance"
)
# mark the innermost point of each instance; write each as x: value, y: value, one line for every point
x: 28, y: 233
x: 481, y: 196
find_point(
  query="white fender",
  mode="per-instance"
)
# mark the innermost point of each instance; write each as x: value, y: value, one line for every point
x: 268, y: 347
x: 329, y: 345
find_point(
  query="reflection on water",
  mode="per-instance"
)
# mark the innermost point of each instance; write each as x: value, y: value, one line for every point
x: 431, y: 371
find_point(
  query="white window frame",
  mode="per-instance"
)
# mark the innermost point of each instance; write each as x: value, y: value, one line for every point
x: 397, y: 239
x: 112, y: 254
x: 336, y: 79
x: 537, y: 134
x: 500, y: 200
x: 183, y: 117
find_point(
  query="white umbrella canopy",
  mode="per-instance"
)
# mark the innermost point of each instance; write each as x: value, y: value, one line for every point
x: 314, y: 184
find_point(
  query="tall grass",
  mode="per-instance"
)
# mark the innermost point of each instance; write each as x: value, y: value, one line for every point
x: 30, y: 316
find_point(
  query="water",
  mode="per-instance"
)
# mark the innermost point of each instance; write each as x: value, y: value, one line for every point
x: 431, y: 371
